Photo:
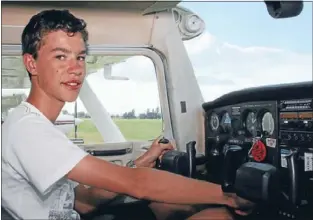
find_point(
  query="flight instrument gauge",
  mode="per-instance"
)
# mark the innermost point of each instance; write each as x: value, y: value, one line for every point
x: 214, y: 121
x: 251, y: 123
x: 226, y: 123
x: 268, y: 123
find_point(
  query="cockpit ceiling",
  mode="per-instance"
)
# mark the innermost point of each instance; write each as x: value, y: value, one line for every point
x: 105, y: 20
x: 104, y: 25
x: 143, y: 7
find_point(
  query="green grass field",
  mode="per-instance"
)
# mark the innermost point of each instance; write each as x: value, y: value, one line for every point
x: 132, y: 129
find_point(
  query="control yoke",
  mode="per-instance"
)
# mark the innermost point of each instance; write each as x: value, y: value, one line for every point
x: 258, y: 182
x: 183, y: 163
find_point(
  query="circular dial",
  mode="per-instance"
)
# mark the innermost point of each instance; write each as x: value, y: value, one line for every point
x: 252, y: 123
x: 226, y: 122
x: 268, y: 124
x: 214, y: 122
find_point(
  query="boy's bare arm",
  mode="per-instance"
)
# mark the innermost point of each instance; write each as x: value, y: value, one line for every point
x: 87, y: 199
x: 146, y: 183
x: 93, y: 196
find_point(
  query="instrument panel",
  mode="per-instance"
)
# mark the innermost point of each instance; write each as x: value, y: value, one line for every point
x: 248, y: 119
x: 244, y: 125
x: 277, y: 129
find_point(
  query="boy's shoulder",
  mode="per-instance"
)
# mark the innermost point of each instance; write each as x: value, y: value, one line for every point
x: 24, y: 111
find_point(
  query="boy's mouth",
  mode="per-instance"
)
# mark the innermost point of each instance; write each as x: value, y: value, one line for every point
x: 72, y: 85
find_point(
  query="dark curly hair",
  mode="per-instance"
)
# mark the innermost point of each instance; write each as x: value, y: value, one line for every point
x: 46, y: 22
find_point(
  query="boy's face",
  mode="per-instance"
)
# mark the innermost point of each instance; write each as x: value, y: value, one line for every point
x: 59, y: 69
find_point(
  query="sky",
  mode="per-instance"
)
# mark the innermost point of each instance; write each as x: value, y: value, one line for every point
x: 242, y: 46
x: 248, y: 24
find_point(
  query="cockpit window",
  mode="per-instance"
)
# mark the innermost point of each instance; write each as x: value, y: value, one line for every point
x: 128, y: 90
x: 243, y: 46
x: 126, y: 87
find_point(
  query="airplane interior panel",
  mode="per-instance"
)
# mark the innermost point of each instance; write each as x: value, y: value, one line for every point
x: 262, y: 147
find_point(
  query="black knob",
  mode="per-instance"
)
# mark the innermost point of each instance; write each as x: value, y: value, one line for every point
x: 164, y: 141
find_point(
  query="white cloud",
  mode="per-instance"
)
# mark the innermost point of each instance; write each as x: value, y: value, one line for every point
x: 201, y: 44
x: 220, y: 67
x: 223, y: 67
x: 137, y: 68
x: 251, y: 50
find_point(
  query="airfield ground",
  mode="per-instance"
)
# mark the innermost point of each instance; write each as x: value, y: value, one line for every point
x: 132, y: 129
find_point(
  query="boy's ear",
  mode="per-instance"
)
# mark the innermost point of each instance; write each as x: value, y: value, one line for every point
x: 30, y: 64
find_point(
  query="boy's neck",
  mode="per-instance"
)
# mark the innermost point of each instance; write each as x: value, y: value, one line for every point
x: 48, y: 106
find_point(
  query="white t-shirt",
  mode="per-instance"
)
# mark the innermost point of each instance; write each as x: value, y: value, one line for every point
x: 36, y: 156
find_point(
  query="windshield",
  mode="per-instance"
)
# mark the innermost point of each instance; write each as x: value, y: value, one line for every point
x: 243, y: 46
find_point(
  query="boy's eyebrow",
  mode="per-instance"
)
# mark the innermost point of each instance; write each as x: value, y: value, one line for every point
x: 64, y: 50
x: 83, y: 52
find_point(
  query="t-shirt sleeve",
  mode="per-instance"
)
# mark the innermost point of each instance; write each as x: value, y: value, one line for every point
x: 44, y: 153
x: 75, y: 184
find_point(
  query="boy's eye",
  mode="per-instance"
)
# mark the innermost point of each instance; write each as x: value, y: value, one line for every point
x: 81, y: 58
x: 63, y: 57
x: 60, y: 57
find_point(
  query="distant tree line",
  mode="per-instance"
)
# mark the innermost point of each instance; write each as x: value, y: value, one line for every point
x: 153, y: 113
x: 80, y: 114
x: 149, y: 114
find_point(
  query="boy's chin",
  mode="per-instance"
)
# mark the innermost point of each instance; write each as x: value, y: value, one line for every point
x: 70, y: 99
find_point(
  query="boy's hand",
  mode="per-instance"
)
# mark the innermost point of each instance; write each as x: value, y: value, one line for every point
x: 157, y: 150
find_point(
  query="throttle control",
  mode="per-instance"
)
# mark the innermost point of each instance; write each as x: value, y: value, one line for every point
x: 178, y: 162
